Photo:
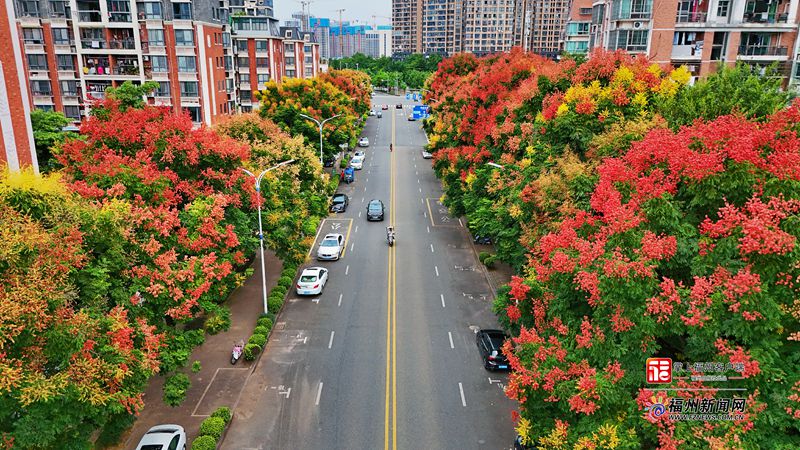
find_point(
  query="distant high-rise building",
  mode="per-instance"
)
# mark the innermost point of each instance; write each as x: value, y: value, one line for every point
x: 451, y: 26
x: 379, y: 42
x: 407, y: 19
x: 321, y: 27
x: 539, y: 25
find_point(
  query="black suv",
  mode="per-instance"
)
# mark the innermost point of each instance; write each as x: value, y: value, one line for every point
x: 339, y: 203
x: 489, y: 344
x: 375, y: 210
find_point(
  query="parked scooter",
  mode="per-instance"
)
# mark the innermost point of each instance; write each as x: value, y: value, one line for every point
x: 236, y: 353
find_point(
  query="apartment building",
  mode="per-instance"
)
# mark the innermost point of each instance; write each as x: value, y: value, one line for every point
x: 447, y: 27
x: 347, y: 40
x: 300, y: 55
x: 379, y: 42
x: 17, y: 149
x: 697, y: 33
x: 321, y: 27
x: 407, y: 19
x: 194, y: 49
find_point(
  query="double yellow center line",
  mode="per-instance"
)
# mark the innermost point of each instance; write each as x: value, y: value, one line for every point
x: 391, y: 317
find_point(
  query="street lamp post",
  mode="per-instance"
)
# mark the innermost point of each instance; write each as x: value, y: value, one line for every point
x: 260, y: 228
x: 320, y: 124
x: 495, y: 165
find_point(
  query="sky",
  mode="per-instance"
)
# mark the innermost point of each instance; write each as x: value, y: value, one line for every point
x: 354, y: 10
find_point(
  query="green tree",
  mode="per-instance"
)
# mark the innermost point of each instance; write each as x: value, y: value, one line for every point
x: 131, y: 95
x: 48, y: 133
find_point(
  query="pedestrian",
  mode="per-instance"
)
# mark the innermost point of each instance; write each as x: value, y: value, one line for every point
x: 341, y: 175
x: 390, y: 147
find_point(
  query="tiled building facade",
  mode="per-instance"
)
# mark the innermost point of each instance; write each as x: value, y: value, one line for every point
x: 75, y: 49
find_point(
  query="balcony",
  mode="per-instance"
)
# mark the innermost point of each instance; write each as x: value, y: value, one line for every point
x: 122, y: 44
x: 765, y: 17
x: 89, y: 16
x: 763, y: 50
x: 96, y: 44
x: 689, y: 17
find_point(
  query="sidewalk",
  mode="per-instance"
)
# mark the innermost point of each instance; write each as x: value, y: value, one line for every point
x: 218, y: 383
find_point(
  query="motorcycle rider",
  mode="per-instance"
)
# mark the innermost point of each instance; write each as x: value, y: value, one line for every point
x: 390, y: 234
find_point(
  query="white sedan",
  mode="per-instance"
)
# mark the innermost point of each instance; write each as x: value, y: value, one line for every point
x: 357, y: 163
x: 426, y: 154
x: 163, y: 437
x: 312, y: 280
x: 359, y: 154
x: 363, y: 142
x: 331, y: 247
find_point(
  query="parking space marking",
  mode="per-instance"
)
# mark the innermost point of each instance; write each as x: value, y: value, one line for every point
x: 460, y: 388
x: 335, y: 225
x: 442, y: 297
x: 450, y: 336
x: 319, y: 393
x: 330, y: 342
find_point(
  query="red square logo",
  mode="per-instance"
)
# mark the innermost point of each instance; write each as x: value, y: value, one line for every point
x: 659, y: 370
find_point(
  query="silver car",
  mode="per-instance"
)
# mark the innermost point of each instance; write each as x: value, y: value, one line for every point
x: 163, y: 437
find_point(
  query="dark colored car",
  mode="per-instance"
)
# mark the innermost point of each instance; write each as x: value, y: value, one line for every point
x: 375, y: 210
x: 339, y: 203
x: 328, y: 161
x: 385, y: 107
x: 411, y: 118
x: 489, y: 344
x: 518, y: 445
x: 399, y: 106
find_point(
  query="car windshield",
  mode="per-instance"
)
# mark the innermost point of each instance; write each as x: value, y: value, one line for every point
x: 329, y: 243
x: 375, y: 206
x: 339, y: 199
x: 308, y: 278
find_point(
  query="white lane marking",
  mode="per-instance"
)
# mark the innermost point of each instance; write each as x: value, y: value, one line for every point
x: 417, y: 180
x: 365, y: 189
x: 340, y: 300
x: 315, y: 237
x: 425, y: 213
x: 351, y: 247
x: 356, y: 231
x: 460, y: 388
x: 442, y: 297
x: 437, y: 270
x: 319, y: 392
x: 450, y: 335
x: 346, y: 270
x: 432, y: 248
x: 459, y: 222
x: 416, y: 173
x: 330, y: 342
x: 359, y: 214
x: 367, y: 179
x: 421, y: 201
x: 415, y: 166
x: 362, y: 199
x: 429, y: 228
x: 420, y: 189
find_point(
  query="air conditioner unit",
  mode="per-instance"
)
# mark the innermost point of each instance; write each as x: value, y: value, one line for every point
x: 637, y: 25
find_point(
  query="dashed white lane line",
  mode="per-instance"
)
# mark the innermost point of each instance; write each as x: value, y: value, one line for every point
x: 356, y: 230
x: 359, y: 214
x: 450, y: 335
x: 346, y: 270
x: 330, y: 342
x: 352, y: 246
x: 367, y: 179
x: 442, y: 297
x: 417, y: 180
x: 460, y: 388
x: 340, y: 300
x: 362, y: 199
x: 437, y: 270
x: 365, y: 189
x: 319, y: 393
x: 428, y: 227
x: 432, y: 248
x: 420, y: 189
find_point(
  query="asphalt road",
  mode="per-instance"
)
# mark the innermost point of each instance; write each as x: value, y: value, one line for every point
x: 386, y: 356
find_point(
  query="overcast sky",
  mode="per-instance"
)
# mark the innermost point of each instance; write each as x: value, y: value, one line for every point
x: 354, y: 10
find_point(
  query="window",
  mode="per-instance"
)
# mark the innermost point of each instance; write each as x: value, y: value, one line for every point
x: 65, y: 62
x: 288, y: 48
x: 261, y: 46
x: 289, y: 61
x: 578, y: 29
x: 72, y: 112
x: 182, y: 11
x: 194, y: 113
x: 150, y: 10
x: 244, y: 78
x: 189, y: 88
x: 184, y: 38
x: 44, y: 107
x: 37, y: 62
x: 159, y: 64
x: 684, y: 38
x: 243, y: 62
x: 246, y: 96
x: 262, y: 62
x: 226, y: 39
x: 29, y: 8
x: 187, y: 64
x: 163, y: 89
x: 576, y: 46
x: 41, y: 87
x: 61, y: 36
x: 69, y: 88
x: 59, y: 8
x: 263, y: 78
x: 241, y: 45
x: 155, y: 37
x: 32, y: 36
x: 306, y: 49
x: 722, y: 8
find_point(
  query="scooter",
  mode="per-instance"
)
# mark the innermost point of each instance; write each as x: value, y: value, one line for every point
x: 390, y: 237
x: 236, y: 353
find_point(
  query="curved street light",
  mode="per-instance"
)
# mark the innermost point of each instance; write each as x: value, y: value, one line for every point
x: 320, y: 124
x: 257, y: 180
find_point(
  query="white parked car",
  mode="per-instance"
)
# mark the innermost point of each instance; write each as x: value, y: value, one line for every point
x: 359, y: 154
x: 312, y: 280
x: 363, y: 142
x: 331, y: 247
x: 371, y: 112
x: 426, y: 154
x: 163, y: 437
x: 357, y: 163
